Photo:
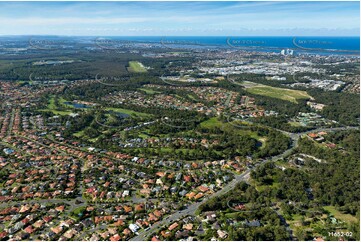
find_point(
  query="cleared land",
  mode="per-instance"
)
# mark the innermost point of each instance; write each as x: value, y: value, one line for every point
x: 214, y: 122
x: 136, y: 67
x: 211, y: 123
x: 128, y: 111
x: 149, y: 90
x: 276, y: 92
x: 295, y: 124
x: 337, y: 214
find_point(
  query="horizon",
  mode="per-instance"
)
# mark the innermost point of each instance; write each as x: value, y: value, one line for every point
x: 268, y: 36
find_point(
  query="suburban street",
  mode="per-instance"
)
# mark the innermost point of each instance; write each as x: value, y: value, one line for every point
x: 110, y: 132
x: 192, y: 208
x: 238, y: 178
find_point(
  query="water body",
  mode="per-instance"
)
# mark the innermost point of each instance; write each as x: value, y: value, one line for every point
x: 329, y: 45
x: 310, y: 44
x: 77, y: 105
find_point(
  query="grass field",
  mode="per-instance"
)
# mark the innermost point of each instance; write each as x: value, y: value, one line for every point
x: 295, y: 124
x: 129, y: 112
x: 214, y: 122
x: 192, y: 97
x: 341, y: 216
x: 143, y: 136
x: 276, y: 92
x: 211, y: 123
x: 51, y: 104
x: 56, y: 112
x: 53, y: 108
x: 79, y: 133
x: 136, y: 67
x: 149, y: 91
x: 260, y: 188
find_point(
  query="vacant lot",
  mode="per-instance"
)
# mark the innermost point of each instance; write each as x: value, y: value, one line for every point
x: 149, y: 90
x: 275, y: 92
x: 136, y: 67
x: 337, y: 214
x: 128, y: 111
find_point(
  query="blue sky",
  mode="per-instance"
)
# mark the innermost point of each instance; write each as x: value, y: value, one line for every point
x: 180, y: 18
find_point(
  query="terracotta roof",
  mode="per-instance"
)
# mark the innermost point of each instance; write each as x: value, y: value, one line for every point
x: 173, y: 226
x: 139, y: 207
x: 126, y: 231
x: 155, y: 238
x: 115, y: 237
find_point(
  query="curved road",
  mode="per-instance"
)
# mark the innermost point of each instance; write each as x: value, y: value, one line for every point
x: 192, y: 208
x: 142, y: 236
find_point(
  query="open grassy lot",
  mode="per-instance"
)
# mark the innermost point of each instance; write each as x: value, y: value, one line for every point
x: 214, y: 122
x: 341, y: 216
x: 149, y: 91
x: 276, y: 92
x: 51, y: 104
x: 137, y: 67
x: 211, y: 123
x: 128, y: 111
x: 55, y: 112
x: 79, y: 133
x: 295, y: 124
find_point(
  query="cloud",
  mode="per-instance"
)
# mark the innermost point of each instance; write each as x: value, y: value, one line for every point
x: 62, y: 21
x: 186, y: 17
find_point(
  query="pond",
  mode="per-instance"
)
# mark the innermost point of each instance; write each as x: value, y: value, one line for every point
x: 77, y: 105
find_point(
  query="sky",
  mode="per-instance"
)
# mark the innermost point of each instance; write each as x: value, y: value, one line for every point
x: 180, y: 18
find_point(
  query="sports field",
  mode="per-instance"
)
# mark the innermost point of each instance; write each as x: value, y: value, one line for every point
x: 136, y: 67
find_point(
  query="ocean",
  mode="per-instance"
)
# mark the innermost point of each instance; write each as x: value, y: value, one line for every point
x: 310, y: 44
